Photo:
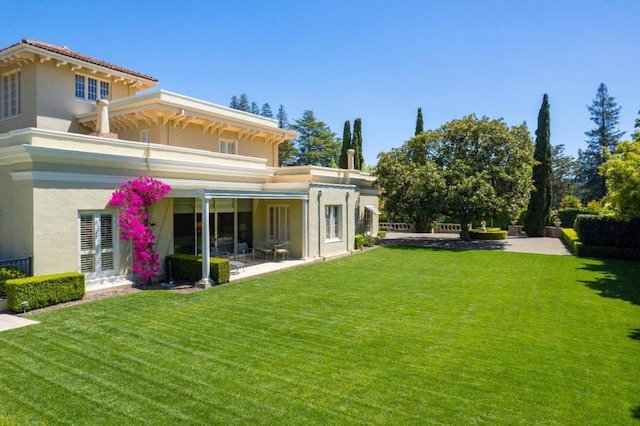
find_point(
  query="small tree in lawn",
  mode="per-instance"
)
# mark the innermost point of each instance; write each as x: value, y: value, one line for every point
x: 134, y: 199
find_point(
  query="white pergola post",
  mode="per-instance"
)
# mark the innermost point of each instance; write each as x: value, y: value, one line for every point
x: 205, y: 282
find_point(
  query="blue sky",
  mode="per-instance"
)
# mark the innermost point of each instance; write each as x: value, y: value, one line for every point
x: 377, y: 60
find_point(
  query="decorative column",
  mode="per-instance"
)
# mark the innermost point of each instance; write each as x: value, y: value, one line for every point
x: 205, y: 282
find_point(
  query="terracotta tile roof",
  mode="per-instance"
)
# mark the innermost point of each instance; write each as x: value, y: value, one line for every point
x: 64, y: 50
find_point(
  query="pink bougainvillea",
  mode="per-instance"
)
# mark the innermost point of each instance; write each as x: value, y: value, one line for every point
x: 134, y: 199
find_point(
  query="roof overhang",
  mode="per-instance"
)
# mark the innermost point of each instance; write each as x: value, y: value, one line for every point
x: 28, y: 51
x: 167, y: 108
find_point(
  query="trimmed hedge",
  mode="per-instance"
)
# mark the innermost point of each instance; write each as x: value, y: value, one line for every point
x: 570, y: 238
x: 568, y: 216
x: 186, y: 267
x: 358, y: 243
x: 605, y: 231
x: 8, y: 273
x: 489, y: 234
x: 45, y: 290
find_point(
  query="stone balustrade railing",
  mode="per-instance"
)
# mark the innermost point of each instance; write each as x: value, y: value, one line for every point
x: 396, y: 227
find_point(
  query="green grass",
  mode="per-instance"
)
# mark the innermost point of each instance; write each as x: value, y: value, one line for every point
x: 390, y: 336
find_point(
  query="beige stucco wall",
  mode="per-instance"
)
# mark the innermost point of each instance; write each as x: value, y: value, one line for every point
x: 192, y: 136
x: 16, y: 218
x: 261, y: 223
x: 161, y: 215
x: 319, y: 198
x: 57, y: 105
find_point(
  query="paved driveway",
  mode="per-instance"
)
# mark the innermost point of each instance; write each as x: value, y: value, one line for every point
x: 543, y: 245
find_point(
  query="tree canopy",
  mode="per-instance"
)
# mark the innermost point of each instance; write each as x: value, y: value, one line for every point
x: 469, y: 168
x: 622, y: 173
x: 346, y: 145
x: 316, y: 144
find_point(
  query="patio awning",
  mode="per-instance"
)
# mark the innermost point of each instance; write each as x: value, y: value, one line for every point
x: 373, y: 209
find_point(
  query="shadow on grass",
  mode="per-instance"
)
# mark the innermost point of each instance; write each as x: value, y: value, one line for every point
x: 635, y: 334
x: 443, y: 243
x: 618, y: 279
x: 635, y: 412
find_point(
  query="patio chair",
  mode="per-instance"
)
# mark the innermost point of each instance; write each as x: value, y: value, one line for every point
x: 281, y: 249
x: 217, y: 252
x: 245, y: 251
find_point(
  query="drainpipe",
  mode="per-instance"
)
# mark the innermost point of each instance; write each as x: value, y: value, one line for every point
x: 205, y: 282
x: 305, y: 229
x: 347, y: 215
x: 319, y: 224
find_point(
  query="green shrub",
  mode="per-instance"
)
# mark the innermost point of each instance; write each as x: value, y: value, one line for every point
x: 489, y: 234
x: 8, y: 273
x: 382, y: 234
x: 358, y: 243
x: 44, y: 290
x: 369, y: 240
x: 605, y: 231
x: 186, y: 267
x: 568, y: 216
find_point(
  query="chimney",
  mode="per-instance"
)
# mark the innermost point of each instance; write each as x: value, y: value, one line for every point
x: 102, y: 120
x: 350, y: 159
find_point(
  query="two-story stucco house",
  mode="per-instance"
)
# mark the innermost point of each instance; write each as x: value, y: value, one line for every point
x: 58, y: 171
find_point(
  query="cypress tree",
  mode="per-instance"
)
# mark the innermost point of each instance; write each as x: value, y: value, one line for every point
x: 537, y: 215
x: 255, y: 109
x: 346, y: 144
x: 419, y: 123
x: 282, y: 117
x: 357, y: 143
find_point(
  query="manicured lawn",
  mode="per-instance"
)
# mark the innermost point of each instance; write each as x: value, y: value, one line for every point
x: 390, y: 336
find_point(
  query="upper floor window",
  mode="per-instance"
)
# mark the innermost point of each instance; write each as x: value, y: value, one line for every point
x: 91, y: 89
x: 144, y: 136
x: 10, y: 94
x: 228, y: 147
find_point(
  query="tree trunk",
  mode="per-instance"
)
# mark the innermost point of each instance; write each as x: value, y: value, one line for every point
x: 464, y: 227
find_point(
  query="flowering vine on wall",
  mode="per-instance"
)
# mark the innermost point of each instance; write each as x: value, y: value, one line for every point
x: 134, y: 199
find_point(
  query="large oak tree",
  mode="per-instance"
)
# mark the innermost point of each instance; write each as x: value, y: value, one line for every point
x: 470, y: 168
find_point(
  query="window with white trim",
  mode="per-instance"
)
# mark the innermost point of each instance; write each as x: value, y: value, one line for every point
x: 279, y: 223
x: 332, y: 223
x: 144, y: 136
x: 97, y: 244
x: 91, y: 89
x: 10, y: 94
x: 228, y: 147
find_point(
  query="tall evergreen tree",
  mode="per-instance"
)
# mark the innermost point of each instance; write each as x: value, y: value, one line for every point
x: 282, y: 117
x: 255, y: 109
x: 636, y: 128
x: 243, y: 103
x: 565, y: 169
x: 419, y: 123
x: 605, y: 113
x: 346, y: 144
x: 235, y: 104
x: 357, y: 143
x: 266, y: 110
x: 316, y: 143
x: 537, y: 215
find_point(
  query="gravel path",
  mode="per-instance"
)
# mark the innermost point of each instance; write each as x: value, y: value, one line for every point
x: 552, y: 246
